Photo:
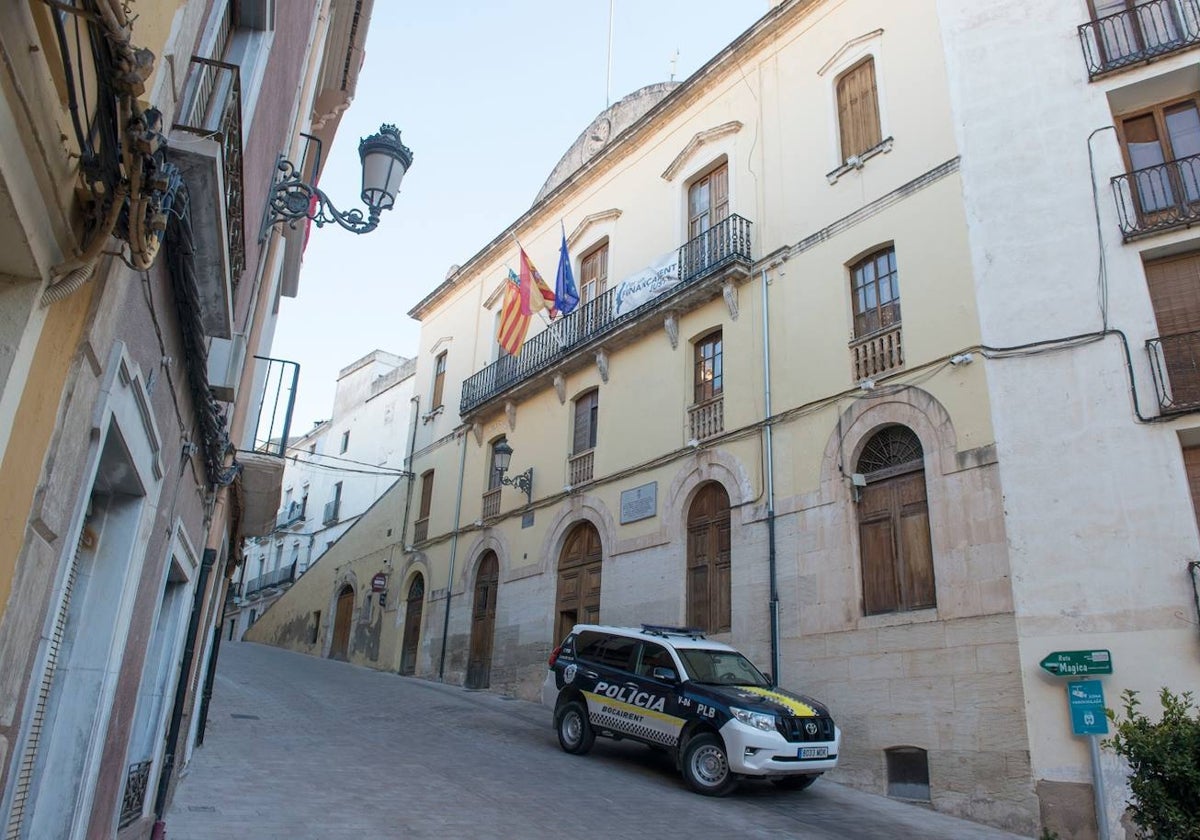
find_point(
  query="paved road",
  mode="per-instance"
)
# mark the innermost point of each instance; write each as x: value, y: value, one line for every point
x: 302, y: 748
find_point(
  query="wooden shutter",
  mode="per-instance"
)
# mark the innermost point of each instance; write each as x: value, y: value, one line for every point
x: 1174, y: 286
x: 439, y: 380
x: 426, y: 495
x: 858, y: 109
x: 719, y: 194
x: 586, y: 410
x: 916, y: 548
x: 877, y: 551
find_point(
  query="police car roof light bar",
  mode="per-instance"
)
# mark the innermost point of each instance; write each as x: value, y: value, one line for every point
x: 667, y: 630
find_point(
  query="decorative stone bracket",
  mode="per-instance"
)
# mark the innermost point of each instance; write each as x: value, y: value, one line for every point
x: 510, y: 411
x: 671, y: 325
x: 602, y: 365
x: 729, y: 290
x: 560, y: 388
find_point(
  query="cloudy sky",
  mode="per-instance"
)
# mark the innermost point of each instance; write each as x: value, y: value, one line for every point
x: 488, y: 100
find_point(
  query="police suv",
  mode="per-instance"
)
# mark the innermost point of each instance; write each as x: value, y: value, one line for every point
x: 703, y: 701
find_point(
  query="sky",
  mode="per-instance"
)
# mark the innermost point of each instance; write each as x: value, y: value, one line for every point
x: 488, y: 99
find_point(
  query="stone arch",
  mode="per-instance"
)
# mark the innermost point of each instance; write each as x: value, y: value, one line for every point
x: 488, y: 540
x: 709, y: 465
x: 580, y: 507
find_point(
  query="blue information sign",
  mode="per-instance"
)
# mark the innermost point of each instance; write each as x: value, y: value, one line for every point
x: 1087, y: 707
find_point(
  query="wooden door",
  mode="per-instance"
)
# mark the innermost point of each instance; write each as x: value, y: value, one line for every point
x: 895, y: 545
x: 1174, y: 286
x: 339, y: 648
x: 708, y: 560
x: 483, y: 622
x: 579, y: 574
x: 412, y: 626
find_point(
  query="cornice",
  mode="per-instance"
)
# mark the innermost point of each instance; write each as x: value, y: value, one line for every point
x: 612, y: 214
x: 702, y: 137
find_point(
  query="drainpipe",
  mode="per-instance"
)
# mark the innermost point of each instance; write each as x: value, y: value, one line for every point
x: 774, y: 600
x: 412, y: 443
x: 189, y: 651
x: 462, y: 468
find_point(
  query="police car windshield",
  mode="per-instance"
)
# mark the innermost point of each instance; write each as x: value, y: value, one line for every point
x: 721, y: 667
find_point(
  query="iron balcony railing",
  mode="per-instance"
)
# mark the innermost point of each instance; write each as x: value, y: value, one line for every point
x: 1132, y: 36
x: 275, y: 382
x: 725, y: 243
x: 137, y: 778
x: 332, y: 509
x: 234, y: 590
x: 1175, y: 364
x: 213, y: 108
x: 291, y: 513
x: 284, y: 574
x: 1158, y: 197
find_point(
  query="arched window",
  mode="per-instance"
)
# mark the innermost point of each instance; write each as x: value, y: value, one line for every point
x: 893, y: 524
x: 708, y: 560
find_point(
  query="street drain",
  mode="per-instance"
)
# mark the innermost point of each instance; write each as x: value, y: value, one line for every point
x: 236, y: 716
x: 208, y: 809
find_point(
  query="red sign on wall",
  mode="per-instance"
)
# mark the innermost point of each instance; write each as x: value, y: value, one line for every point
x: 379, y: 582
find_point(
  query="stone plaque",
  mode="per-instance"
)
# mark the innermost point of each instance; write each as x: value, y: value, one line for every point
x: 639, y: 503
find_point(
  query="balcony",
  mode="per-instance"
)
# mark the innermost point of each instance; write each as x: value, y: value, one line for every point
x: 133, y: 800
x: 706, y: 419
x: 292, y: 513
x: 332, y: 509
x: 282, y: 575
x: 877, y: 354
x: 1158, y: 198
x: 579, y: 467
x: 491, y: 503
x: 421, y: 530
x: 209, y: 154
x: 1138, y: 35
x: 1175, y: 363
x: 721, y: 252
x: 233, y: 591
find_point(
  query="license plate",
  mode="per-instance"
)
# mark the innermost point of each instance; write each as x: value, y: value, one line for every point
x: 814, y: 752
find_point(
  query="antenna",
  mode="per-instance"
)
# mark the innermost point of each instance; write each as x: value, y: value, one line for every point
x: 674, y: 58
x: 608, y: 77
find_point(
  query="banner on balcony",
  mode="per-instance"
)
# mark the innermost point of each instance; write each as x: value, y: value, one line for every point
x: 646, y: 285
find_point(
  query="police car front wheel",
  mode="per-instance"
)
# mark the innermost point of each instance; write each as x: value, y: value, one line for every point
x: 706, y: 766
x: 575, y: 733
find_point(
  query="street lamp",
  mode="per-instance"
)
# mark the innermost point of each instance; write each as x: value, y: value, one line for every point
x: 384, y: 161
x: 502, y: 456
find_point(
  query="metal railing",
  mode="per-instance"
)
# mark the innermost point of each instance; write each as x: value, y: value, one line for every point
x: 725, y: 243
x: 292, y: 512
x: 1158, y: 197
x: 234, y: 590
x: 877, y: 354
x: 1175, y: 364
x: 284, y: 574
x: 491, y: 503
x: 332, y: 509
x: 212, y: 107
x: 137, y: 778
x: 579, y: 467
x: 421, y: 530
x: 706, y: 419
x: 275, y: 382
x: 1133, y: 36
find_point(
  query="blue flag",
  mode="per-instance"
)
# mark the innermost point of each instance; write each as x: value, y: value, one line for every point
x: 565, y: 293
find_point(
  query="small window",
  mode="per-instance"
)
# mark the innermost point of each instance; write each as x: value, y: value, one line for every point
x: 908, y: 773
x: 439, y: 379
x: 858, y: 109
x: 337, y: 492
x: 587, y: 409
x: 593, y: 274
x: 709, y: 378
x: 345, y: 440
x: 426, y: 495
x: 493, y: 479
x: 708, y: 201
x: 875, y: 290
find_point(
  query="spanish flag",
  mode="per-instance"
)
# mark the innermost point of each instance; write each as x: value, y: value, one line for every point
x: 514, y: 315
x: 534, y: 288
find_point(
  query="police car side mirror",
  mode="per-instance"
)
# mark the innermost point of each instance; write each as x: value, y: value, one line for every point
x: 665, y: 674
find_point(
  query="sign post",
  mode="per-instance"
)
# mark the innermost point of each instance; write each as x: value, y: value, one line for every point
x: 1085, y: 698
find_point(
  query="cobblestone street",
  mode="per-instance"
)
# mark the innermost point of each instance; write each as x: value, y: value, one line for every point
x: 299, y: 747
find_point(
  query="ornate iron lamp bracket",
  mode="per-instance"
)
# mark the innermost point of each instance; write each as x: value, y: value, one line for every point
x: 523, y: 482
x: 293, y: 199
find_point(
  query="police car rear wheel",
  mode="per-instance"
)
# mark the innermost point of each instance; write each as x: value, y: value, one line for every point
x: 794, y: 782
x: 575, y: 734
x: 706, y: 767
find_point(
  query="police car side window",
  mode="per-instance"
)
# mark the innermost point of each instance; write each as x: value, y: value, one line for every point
x: 589, y: 646
x: 618, y: 653
x: 654, y: 656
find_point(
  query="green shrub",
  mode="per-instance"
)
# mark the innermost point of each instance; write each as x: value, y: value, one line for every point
x: 1164, y: 758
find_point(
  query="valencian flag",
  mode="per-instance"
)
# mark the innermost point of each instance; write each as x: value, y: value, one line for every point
x: 535, y: 294
x: 514, y: 315
x: 564, y: 282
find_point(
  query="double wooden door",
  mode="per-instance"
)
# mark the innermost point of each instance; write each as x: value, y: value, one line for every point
x: 578, y: 600
x: 483, y: 622
x: 343, y: 615
x: 412, y: 626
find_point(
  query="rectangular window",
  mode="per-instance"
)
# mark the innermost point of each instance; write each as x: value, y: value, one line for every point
x: 439, y: 379
x: 1174, y: 285
x: 587, y: 411
x: 345, y: 440
x: 876, y: 293
x: 426, y: 495
x: 709, y: 379
x: 858, y: 109
x: 708, y: 201
x: 1133, y: 30
x: 593, y: 274
x: 1159, y: 146
x: 493, y: 479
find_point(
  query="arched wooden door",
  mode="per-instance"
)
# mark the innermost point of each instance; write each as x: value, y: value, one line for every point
x: 578, y: 599
x: 412, y: 626
x: 483, y: 622
x: 343, y: 615
x: 708, y: 560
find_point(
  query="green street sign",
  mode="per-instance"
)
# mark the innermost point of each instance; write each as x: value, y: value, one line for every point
x: 1078, y: 663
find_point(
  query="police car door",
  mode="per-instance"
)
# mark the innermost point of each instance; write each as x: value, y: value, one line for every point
x: 657, y: 676
x: 612, y: 685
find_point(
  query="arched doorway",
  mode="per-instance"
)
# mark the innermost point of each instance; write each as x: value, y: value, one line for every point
x: 343, y: 615
x: 708, y: 560
x: 893, y: 524
x: 578, y: 600
x: 412, y: 626
x: 483, y: 622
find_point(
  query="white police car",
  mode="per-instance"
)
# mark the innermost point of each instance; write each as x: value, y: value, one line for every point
x: 671, y: 688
